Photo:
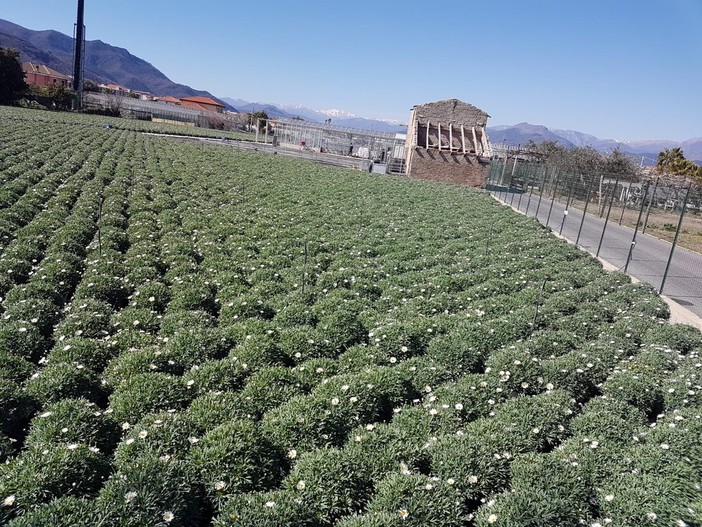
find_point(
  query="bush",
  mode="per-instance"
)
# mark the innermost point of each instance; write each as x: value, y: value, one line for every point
x: 39, y: 312
x: 454, y: 352
x: 373, y: 519
x: 138, y: 319
x: 73, y: 421
x: 259, y: 352
x: 217, y: 375
x: 145, y: 393
x: 214, y: 408
x: 198, y: 345
x: 151, y: 491
x: 516, y: 371
x: 268, y: 388
x: 679, y: 337
x: 236, y: 457
x: 166, y: 435
x: 311, y: 372
x: 529, y: 508
x: 638, y: 390
x: 16, y: 409
x: 193, y: 295
x: 246, y: 305
x: 174, y: 322
x: 40, y: 475
x: 14, y: 368
x: 65, y: 511
x: 608, y: 419
x: 301, y: 343
x: 151, y: 295
x: 86, y: 318
x: 419, y: 500
x: 342, y: 329
x: 22, y: 339
x: 103, y: 287
x: 94, y: 354
x: 266, y: 509
x: 64, y: 380
x: 331, y: 482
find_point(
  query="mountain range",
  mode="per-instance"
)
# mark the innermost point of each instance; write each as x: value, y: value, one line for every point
x: 109, y: 64
x: 103, y: 63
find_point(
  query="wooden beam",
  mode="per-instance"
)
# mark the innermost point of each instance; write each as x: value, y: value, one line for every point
x: 450, y: 137
x: 475, y: 139
x: 428, y: 124
x: 463, y: 138
x: 438, y: 135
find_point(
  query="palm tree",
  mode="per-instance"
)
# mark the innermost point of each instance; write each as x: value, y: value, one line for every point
x: 670, y: 160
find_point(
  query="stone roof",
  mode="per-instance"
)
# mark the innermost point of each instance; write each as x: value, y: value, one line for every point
x: 451, y: 111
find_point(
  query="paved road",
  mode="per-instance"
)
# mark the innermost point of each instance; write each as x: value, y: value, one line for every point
x: 649, y: 255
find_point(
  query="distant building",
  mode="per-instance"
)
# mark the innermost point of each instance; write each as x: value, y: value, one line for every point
x: 447, y: 141
x: 170, y: 100
x: 114, y: 89
x: 40, y: 75
x: 202, y: 103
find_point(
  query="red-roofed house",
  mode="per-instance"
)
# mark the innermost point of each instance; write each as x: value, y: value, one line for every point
x: 41, y: 75
x: 202, y: 103
x: 169, y: 99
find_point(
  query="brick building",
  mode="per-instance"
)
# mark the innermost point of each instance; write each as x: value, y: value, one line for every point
x: 447, y: 141
x: 40, y: 75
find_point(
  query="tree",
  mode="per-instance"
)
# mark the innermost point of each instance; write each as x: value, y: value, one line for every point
x: 259, y: 117
x: 672, y: 161
x: 12, y: 84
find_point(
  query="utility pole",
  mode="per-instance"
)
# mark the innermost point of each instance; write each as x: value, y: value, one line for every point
x: 78, y: 55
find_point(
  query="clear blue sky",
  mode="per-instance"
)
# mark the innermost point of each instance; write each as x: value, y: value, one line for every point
x: 619, y: 69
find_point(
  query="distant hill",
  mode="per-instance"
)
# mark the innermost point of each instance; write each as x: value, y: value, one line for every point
x: 520, y: 134
x: 103, y: 62
x: 338, y: 117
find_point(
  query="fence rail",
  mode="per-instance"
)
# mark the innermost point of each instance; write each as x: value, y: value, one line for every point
x: 650, y: 227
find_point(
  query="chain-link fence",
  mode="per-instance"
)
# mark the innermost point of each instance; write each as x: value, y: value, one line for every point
x: 649, y: 226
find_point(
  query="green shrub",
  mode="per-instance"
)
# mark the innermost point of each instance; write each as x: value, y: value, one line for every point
x: 608, y: 419
x: 145, y: 393
x: 330, y: 482
x: 86, y: 318
x: 342, y: 329
x: 7, y: 447
x: 638, y: 390
x: 516, y: 371
x: 22, y: 339
x: 680, y: 337
x: 166, y: 435
x: 214, y: 408
x: 529, y: 508
x: 64, y: 380
x: 424, y: 371
x: 174, y: 322
x: 39, y: 312
x: 103, y: 287
x: 311, y: 372
x: 14, y: 368
x: 94, y: 354
x: 198, y: 345
x: 372, y: 519
x: 151, y: 491
x: 193, y: 295
x: 268, y: 388
x: 64, y: 511
x: 246, y: 305
x: 73, y: 421
x: 266, y: 509
x: 151, y: 295
x: 237, y: 457
x: 295, y: 314
x: 138, y: 319
x: 40, y: 475
x: 259, y: 352
x: 454, y: 352
x: 301, y: 343
x: 16, y: 409
x: 217, y: 375
x: 419, y: 500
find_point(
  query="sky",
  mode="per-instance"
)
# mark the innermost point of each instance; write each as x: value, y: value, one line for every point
x: 617, y: 69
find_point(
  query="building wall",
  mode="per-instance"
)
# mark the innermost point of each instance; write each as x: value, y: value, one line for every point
x: 39, y: 79
x: 448, y: 167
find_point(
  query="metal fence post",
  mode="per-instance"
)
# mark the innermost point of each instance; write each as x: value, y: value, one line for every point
x: 553, y: 198
x: 636, y: 230
x: 648, y: 209
x: 675, y: 240
x: 609, y: 210
x: 587, y: 202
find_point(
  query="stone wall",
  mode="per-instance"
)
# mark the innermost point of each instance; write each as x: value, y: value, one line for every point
x: 448, y: 167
